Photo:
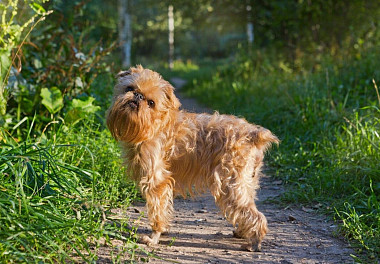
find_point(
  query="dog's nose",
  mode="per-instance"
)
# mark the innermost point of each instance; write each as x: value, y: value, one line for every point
x: 138, y: 96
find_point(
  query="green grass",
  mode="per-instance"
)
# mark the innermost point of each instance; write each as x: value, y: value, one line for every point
x: 56, y: 195
x: 328, y: 120
x: 188, y: 70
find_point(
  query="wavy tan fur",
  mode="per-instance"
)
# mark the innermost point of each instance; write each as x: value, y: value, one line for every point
x: 173, y: 152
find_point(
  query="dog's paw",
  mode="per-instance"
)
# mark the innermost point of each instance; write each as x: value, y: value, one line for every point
x: 252, y: 248
x: 150, y: 240
x: 147, y: 240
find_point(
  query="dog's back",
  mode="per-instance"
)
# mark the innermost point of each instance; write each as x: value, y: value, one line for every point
x: 215, y: 141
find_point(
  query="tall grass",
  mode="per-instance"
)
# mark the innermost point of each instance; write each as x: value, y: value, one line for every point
x: 328, y: 120
x: 56, y: 196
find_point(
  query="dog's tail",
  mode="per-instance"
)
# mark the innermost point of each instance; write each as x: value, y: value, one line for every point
x: 263, y: 138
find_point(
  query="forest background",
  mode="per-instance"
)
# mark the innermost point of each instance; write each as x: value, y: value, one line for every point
x: 308, y: 70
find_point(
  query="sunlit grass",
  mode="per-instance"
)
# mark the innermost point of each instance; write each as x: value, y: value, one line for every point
x: 329, y: 123
x: 56, y: 197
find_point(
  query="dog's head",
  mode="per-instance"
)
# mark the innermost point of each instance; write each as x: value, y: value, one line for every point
x: 143, y: 105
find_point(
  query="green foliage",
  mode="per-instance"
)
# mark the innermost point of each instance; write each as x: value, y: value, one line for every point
x: 10, y: 38
x: 81, y: 109
x: 52, y: 99
x: 328, y: 121
x: 65, y: 59
x: 60, y: 173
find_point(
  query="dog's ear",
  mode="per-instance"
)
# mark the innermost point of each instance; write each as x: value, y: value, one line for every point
x: 123, y: 73
x: 131, y: 70
x: 172, y: 99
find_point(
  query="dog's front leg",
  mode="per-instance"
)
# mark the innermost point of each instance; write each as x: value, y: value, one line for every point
x: 159, y: 201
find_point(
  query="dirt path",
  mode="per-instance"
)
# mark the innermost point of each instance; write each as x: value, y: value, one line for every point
x: 199, y: 234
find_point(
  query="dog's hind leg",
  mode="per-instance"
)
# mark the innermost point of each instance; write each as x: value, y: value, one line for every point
x: 252, y: 227
x: 234, y: 192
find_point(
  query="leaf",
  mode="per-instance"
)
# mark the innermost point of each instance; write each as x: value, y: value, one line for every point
x: 52, y: 99
x: 5, y: 63
x: 81, y: 109
x: 3, y: 102
x: 73, y: 115
x: 37, y: 8
x: 86, y: 105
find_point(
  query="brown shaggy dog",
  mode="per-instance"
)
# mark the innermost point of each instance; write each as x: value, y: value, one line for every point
x: 171, y: 151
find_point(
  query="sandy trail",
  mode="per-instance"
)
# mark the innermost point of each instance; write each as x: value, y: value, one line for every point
x: 199, y: 234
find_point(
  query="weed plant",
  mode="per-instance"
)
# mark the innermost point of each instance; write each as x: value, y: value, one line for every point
x: 328, y: 119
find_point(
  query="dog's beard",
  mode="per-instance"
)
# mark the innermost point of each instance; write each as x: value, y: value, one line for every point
x: 129, y: 122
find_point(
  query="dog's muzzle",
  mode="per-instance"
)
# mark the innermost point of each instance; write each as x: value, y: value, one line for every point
x: 134, y: 104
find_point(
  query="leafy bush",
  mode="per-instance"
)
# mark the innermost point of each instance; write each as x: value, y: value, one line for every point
x: 12, y: 36
x: 60, y: 64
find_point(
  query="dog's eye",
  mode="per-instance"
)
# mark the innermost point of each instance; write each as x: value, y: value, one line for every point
x: 151, y: 103
x: 129, y: 89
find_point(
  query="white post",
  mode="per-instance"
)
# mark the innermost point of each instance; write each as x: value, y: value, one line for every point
x: 250, y: 35
x: 125, y: 32
x: 171, y: 35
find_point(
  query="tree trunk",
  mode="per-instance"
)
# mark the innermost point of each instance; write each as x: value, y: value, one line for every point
x: 125, y: 31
